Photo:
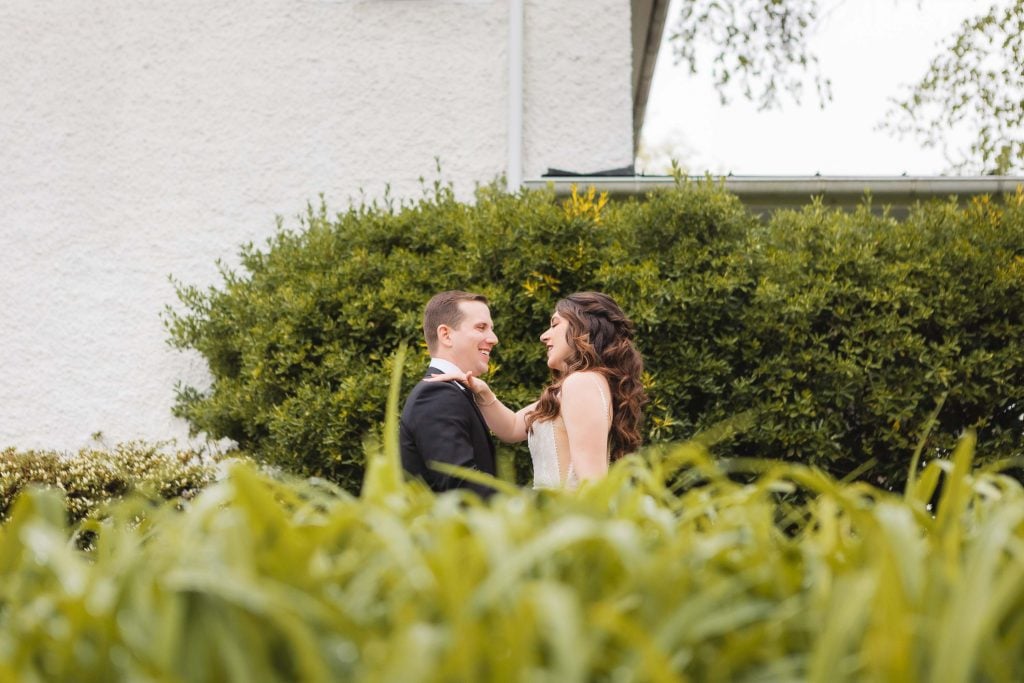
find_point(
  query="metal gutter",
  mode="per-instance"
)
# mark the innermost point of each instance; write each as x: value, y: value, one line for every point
x: 761, y: 193
x: 514, y: 171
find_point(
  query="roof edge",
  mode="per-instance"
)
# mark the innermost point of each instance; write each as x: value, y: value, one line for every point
x: 766, y: 193
x: 797, y: 185
x: 647, y: 53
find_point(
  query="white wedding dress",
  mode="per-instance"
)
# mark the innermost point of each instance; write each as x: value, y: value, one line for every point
x: 549, y: 451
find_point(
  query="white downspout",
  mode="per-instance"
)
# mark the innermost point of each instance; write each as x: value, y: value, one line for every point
x: 514, y: 174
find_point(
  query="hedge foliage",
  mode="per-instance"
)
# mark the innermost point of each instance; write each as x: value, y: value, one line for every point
x: 94, y: 476
x: 836, y: 334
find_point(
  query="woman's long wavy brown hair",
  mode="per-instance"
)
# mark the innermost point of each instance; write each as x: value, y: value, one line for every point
x: 600, y: 338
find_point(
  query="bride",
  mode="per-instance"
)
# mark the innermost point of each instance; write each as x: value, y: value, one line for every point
x: 589, y: 415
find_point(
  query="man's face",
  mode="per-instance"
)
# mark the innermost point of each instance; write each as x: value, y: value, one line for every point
x: 469, y: 344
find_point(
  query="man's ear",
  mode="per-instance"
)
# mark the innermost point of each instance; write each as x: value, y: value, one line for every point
x: 444, y: 335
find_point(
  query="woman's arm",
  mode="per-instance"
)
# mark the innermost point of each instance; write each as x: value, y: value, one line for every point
x: 506, y: 424
x: 585, y: 413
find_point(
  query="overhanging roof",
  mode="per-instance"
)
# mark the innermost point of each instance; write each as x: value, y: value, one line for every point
x: 648, y: 23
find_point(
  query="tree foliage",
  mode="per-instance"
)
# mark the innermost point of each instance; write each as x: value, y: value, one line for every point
x: 973, y: 89
x: 761, y: 46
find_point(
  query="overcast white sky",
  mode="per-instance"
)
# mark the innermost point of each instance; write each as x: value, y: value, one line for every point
x: 869, y: 48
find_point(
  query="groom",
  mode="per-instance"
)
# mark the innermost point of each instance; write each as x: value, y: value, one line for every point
x: 440, y: 421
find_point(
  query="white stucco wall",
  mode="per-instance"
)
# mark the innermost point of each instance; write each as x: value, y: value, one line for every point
x: 144, y: 139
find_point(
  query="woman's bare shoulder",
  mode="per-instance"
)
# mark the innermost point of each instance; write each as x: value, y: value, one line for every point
x: 584, y: 381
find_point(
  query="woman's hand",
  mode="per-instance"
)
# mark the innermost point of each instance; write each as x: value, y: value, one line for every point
x: 474, y: 384
x: 506, y: 424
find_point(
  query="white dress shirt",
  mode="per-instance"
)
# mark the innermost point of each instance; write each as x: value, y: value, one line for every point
x: 446, y: 366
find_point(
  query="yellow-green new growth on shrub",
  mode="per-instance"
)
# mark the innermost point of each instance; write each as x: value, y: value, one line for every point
x: 94, y: 476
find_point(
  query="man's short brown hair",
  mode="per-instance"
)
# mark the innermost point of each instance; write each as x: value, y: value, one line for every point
x: 443, y: 309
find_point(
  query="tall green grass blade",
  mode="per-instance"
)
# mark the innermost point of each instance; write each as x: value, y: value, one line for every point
x: 974, y: 612
x: 383, y: 477
x: 952, y: 506
x: 475, y: 476
x: 915, y: 460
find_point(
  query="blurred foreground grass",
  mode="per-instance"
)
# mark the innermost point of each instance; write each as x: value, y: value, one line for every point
x: 790, y: 576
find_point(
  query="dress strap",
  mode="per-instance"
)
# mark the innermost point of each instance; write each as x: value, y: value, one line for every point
x: 604, y: 399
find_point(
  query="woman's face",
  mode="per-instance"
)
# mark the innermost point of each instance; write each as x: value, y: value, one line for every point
x: 556, y: 339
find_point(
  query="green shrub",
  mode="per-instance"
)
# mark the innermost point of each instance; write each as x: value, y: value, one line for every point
x: 863, y: 325
x: 835, y: 333
x: 92, y: 477
x: 265, y: 580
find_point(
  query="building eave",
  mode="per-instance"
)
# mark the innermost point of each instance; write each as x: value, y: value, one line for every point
x: 648, y: 24
x: 767, y: 193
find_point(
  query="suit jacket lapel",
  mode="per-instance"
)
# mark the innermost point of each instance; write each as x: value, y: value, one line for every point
x: 431, y: 371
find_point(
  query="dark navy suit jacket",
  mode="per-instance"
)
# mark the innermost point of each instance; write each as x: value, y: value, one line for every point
x: 440, y: 422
